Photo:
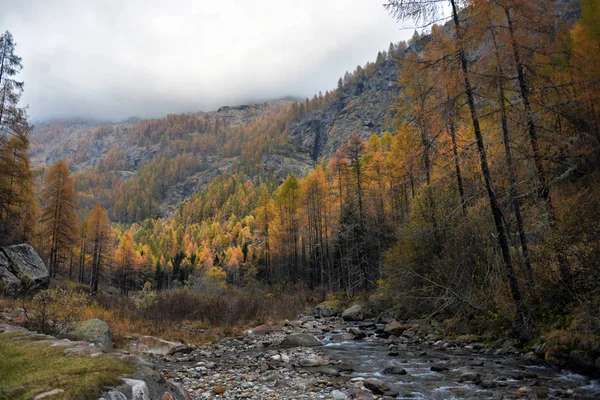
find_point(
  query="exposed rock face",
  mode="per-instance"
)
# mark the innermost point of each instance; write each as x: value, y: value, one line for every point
x: 353, y: 313
x: 362, y: 107
x: 95, y: 331
x: 22, y: 269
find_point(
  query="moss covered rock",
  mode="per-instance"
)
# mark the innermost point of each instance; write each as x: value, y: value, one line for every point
x: 93, y: 330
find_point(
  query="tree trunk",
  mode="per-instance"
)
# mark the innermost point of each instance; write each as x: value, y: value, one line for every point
x: 514, y: 191
x: 523, y: 323
x: 459, y: 179
x: 535, y: 147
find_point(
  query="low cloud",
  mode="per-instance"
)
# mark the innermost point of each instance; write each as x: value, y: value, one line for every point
x: 111, y: 59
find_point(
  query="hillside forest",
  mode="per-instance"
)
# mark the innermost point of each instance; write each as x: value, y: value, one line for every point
x: 474, y: 193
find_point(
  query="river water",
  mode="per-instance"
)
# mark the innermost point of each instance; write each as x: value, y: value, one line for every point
x: 501, y: 376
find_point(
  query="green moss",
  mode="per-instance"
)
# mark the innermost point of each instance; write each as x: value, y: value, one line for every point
x: 30, y: 369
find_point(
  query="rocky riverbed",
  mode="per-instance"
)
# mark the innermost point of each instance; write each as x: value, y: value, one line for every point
x: 333, y: 358
x: 365, y: 360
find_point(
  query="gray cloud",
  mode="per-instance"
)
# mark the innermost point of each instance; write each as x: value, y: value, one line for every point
x: 113, y: 59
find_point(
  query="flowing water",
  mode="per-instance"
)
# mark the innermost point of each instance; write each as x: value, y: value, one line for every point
x: 502, y: 376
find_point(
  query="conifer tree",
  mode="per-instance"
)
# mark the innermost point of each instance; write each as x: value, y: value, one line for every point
x: 58, y: 216
x: 100, y: 238
x: 17, y: 202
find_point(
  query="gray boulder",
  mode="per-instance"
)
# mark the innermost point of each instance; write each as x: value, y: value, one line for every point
x: 22, y: 269
x: 353, y: 313
x: 9, y: 283
x: 324, y: 310
x: 300, y: 340
x: 95, y: 331
x: 376, y: 386
x: 394, y: 370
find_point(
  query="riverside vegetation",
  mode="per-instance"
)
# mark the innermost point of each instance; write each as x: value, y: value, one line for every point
x: 454, y: 179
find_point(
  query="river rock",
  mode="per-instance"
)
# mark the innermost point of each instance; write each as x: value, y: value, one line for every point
x: 284, y: 358
x: 325, y: 310
x: 154, y: 346
x: 376, y: 386
x: 313, y: 361
x: 342, y: 337
x: 470, y: 377
x: 95, y: 331
x: 300, y: 340
x: 338, y: 395
x: 530, y: 358
x: 394, y: 370
x: 368, y: 325
x: 354, y: 313
x: 21, y: 268
x: 438, y: 368
x: 260, y: 330
x: 326, y: 370
x: 409, y: 333
x: 394, y: 328
x: 360, y: 394
x: 309, y: 362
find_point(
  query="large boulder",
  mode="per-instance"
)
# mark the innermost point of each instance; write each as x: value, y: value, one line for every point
x: 354, y: 313
x: 325, y: 310
x: 95, y: 331
x: 22, y: 269
x: 9, y: 283
x: 395, y: 328
x: 300, y: 340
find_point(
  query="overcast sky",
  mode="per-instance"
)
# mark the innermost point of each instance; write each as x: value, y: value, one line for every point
x: 112, y: 59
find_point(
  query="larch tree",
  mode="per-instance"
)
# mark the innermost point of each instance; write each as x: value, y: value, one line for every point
x: 428, y: 11
x: 99, y: 239
x: 125, y: 257
x: 288, y: 200
x: 58, y: 215
x: 17, y: 202
x: 498, y: 69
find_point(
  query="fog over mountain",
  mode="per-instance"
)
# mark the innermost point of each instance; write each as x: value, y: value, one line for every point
x: 113, y: 59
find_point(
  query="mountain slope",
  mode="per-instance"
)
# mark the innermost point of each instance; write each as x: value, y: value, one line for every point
x: 164, y: 161
x: 362, y: 106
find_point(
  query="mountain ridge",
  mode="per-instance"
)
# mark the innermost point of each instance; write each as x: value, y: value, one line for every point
x: 305, y: 133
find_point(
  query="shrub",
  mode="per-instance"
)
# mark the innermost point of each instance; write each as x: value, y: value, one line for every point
x: 54, y: 311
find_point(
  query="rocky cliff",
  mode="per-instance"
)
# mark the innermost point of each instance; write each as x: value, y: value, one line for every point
x: 364, y: 106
